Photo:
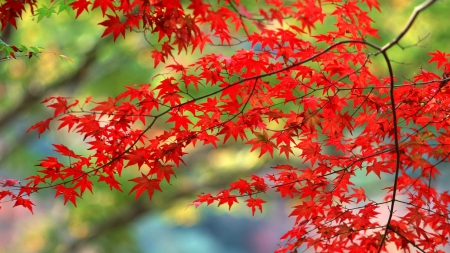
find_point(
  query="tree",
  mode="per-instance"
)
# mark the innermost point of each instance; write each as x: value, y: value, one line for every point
x: 289, y: 89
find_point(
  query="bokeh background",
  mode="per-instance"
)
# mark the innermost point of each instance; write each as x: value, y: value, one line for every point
x: 110, y: 221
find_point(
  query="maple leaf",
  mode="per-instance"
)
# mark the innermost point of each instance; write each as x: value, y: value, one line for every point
x: 143, y: 184
x: 138, y: 156
x: 104, y: 5
x: 254, y: 203
x: 25, y: 203
x: 200, y: 42
x: 415, y: 216
x: 106, y: 107
x: 9, y: 182
x: 208, y: 198
x: 225, y: 198
x: 372, y: 3
x: 329, y: 39
x: 286, y: 150
x: 262, y: 141
x: 4, y: 194
x: 41, y: 127
x: 84, y: 184
x: 80, y: 6
x: 157, y: 57
x: 69, y: 121
x: 207, y: 139
x: 133, y: 21
x: 173, y: 98
x: 63, y: 150
x: 162, y: 171
x: 310, y: 150
x: 377, y: 168
x: 439, y: 57
x: 50, y: 163
x: 111, y: 181
x: 359, y: 194
x: 60, y: 106
x: 68, y: 193
x: 243, y: 186
x: 114, y: 26
x: 233, y: 129
x: 179, y: 120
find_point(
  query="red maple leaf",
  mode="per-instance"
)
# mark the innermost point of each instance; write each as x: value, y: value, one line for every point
x: 63, y: 150
x: 242, y: 185
x: 106, y: 107
x: 69, y: 121
x: 208, y: 198
x: 114, y: 26
x: 104, y: 5
x: 25, y: 203
x: 144, y: 184
x: 4, y: 194
x: 226, y: 198
x: 69, y: 194
x: 179, y: 120
x: 373, y: 3
x: 41, y: 127
x: 158, y: 57
x: 137, y: 156
x: 80, y: 6
x: 254, y: 203
x: 359, y: 194
x: 111, y: 181
x: 441, y: 58
x: 84, y: 183
x: 60, y: 106
x: 9, y: 182
x: 162, y: 171
x: 377, y: 168
x: 262, y: 141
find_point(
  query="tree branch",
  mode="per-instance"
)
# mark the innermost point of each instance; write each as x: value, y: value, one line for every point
x: 411, y: 20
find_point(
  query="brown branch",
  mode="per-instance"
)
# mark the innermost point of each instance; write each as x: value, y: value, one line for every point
x: 413, y: 17
x: 411, y: 20
x: 406, y: 239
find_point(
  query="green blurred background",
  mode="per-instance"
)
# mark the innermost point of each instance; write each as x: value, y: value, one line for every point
x: 112, y: 221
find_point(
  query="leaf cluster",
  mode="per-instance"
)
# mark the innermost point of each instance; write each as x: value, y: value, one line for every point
x: 286, y: 91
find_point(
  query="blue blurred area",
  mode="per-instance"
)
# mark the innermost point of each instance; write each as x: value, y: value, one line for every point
x: 216, y: 233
